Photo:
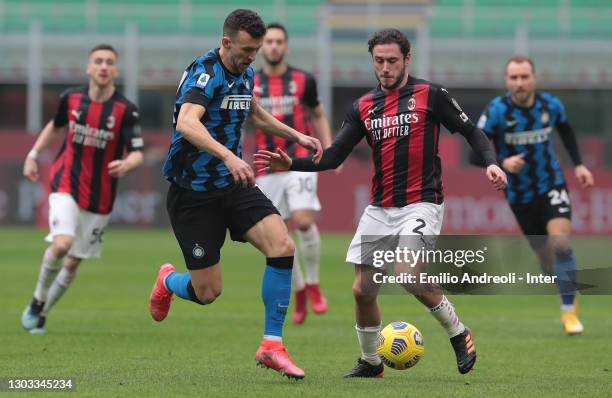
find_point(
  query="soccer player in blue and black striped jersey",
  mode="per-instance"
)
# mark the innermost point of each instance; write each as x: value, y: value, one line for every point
x: 520, y: 124
x: 212, y: 189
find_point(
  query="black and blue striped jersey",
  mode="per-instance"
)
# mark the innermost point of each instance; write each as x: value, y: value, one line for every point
x: 227, y: 99
x: 516, y: 130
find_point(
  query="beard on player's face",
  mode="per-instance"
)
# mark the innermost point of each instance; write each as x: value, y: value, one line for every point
x: 238, y: 66
x: 273, y: 61
x: 395, y: 83
x: 240, y: 63
x: 522, y: 94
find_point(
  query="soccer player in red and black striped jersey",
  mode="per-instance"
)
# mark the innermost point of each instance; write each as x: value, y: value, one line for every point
x: 290, y: 95
x: 100, y: 125
x: 400, y: 119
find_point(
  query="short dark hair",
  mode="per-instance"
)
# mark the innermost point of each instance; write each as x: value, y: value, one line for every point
x: 389, y: 36
x: 277, y: 25
x: 104, y: 46
x: 246, y: 20
x: 519, y: 59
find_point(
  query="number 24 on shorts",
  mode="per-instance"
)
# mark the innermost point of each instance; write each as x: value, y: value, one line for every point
x: 558, y: 197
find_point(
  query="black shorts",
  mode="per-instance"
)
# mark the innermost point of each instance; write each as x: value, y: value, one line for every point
x: 200, y: 220
x: 533, y: 217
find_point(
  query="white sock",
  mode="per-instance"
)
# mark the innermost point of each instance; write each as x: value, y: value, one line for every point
x: 368, y: 338
x: 57, y: 289
x: 445, y: 314
x: 297, y: 277
x: 48, y: 270
x: 273, y: 338
x: 310, y: 248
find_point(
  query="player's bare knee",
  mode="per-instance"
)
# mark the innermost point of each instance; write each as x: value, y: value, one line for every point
x: 302, y: 222
x: 288, y: 247
x: 304, y: 225
x: 283, y: 247
x: 61, y: 246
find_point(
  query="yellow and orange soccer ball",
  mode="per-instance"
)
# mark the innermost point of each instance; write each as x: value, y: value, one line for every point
x: 400, y: 345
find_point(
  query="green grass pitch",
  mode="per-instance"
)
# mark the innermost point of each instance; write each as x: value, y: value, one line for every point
x: 101, y: 333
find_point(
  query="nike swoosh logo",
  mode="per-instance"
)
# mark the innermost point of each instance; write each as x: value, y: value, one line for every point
x: 371, y: 111
x: 230, y: 85
x: 563, y: 209
x: 511, y: 123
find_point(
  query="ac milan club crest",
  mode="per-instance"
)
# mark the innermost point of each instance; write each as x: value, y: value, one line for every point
x: 411, y: 103
x: 110, y: 122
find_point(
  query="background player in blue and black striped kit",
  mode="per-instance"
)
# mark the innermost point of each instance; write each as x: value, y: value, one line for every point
x: 520, y: 124
x: 212, y: 189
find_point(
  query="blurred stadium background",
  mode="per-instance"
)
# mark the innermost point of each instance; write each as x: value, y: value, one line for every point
x: 101, y: 333
x: 461, y: 44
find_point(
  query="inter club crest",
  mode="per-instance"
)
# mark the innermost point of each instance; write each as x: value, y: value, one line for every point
x: 197, y: 252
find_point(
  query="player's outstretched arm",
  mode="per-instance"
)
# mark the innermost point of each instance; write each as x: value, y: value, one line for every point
x: 44, y: 140
x: 272, y: 161
x: 263, y: 120
x: 346, y: 139
x: 189, y: 125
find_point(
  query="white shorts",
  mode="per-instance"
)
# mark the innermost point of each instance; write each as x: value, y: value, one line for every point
x: 291, y: 191
x: 422, y: 220
x: 66, y: 218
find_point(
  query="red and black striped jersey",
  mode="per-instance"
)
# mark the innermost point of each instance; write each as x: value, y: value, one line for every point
x: 289, y: 98
x: 98, y: 133
x: 402, y: 128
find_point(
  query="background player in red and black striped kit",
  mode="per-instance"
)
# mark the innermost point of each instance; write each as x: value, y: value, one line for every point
x: 101, y: 126
x: 400, y: 119
x: 290, y: 95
